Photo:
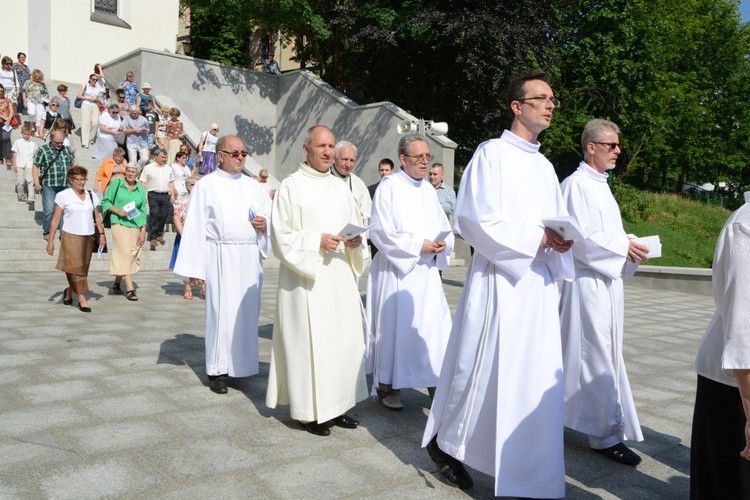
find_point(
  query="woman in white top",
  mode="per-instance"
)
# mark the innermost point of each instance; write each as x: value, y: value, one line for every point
x: 77, y: 208
x: 9, y: 81
x: 89, y: 94
x: 181, y: 172
x: 207, y: 150
x: 110, y: 127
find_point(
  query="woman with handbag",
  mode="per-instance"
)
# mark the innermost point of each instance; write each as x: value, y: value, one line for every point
x: 125, y: 204
x: 87, y: 100
x: 6, y: 116
x: 77, y: 208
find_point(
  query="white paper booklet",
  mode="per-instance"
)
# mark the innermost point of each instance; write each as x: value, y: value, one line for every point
x: 565, y: 227
x: 654, y: 251
x: 352, y: 231
x: 442, y: 235
x: 131, y: 211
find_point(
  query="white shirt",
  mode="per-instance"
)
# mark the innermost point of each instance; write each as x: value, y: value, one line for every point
x: 24, y: 152
x: 725, y: 346
x: 157, y: 178
x: 180, y: 174
x: 209, y: 144
x: 78, y: 214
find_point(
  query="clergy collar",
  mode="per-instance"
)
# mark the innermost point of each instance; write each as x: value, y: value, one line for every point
x: 402, y: 175
x: 336, y: 173
x: 222, y: 173
x: 311, y: 172
x: 521, y: 144
x: 591, y: 173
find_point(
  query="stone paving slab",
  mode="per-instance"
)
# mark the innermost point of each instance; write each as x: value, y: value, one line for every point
x: 113, y: 404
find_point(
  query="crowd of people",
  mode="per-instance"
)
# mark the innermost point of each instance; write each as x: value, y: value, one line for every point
x: 519, y: 361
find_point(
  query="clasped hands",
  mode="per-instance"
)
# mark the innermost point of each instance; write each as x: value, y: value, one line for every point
x: 552, y: 240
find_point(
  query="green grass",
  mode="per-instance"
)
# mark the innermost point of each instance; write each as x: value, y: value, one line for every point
x: 688, y: 229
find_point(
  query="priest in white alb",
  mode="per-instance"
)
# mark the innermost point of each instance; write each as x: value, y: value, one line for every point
x: 317, y: 357
x: 598, y: 401
x: 407, y: 313
x: 498, y: 406
x: 224, y: 241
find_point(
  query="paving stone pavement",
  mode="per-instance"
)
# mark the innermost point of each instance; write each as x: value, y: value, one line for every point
x: 112, y: 404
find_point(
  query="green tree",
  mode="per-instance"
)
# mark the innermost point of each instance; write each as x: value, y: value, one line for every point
x: 671, y: 74
x: 216, y: 34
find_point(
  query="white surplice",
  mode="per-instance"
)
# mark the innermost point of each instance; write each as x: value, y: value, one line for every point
x: 317, y: 364
x: 598, y: 400
x: 726, y: 344
x: 499, y: 402
x: 220, y: 246
x: 407, y: 313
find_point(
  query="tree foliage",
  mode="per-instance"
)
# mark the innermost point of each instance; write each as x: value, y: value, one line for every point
x: 215, y: 33
x: 673, y: 75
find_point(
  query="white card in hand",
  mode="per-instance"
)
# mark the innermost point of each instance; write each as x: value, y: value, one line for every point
x: 352, y: 231
x: 565, y: 227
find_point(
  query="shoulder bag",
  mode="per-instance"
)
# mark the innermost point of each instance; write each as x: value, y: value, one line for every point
x: 107, y: 217
x: 96, y: 230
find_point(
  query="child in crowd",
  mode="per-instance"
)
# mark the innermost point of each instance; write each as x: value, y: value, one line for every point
x: 174, y: 133
x: 23, y: 161
x: 152, y: 117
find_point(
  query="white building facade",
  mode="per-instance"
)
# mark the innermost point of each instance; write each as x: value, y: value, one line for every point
x: 65, y: 38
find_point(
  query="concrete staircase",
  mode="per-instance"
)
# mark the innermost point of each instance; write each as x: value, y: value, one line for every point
x: 22, y: 248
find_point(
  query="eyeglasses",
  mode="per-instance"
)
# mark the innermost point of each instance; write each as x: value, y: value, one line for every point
x: 79, y: 179
x: 424, y: 157
x: 554, y: 100
x: 94, y: 79
x: 235, y: 154
x: 610, y: 145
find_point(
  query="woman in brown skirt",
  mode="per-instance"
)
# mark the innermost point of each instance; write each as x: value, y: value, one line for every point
x: 77, y: 208
x: 126, y: 200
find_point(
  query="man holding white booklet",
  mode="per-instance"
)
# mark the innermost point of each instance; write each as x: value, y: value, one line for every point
x: 407, y: 313
x: 598, y: 401
x: 317, y: 355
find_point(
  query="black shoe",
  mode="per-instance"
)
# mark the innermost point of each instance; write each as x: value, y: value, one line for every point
x: 67, y: 302
x: 450, y: 471
x: 218, y: 384
x: 83, y: 309
x: 116, y: 289
x: 316, y: 428
x: 621, y: 453
x: 346, y: 422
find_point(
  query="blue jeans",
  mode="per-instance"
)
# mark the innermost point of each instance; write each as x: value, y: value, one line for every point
x: 48, y: 206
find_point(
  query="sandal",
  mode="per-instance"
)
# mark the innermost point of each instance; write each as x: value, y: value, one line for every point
x: 116, y: 289
x: 188, y: 293
x: 130, y: 295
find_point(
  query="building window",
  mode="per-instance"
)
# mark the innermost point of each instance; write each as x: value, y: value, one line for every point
x: 106, y: 12
x: 106, y: 6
